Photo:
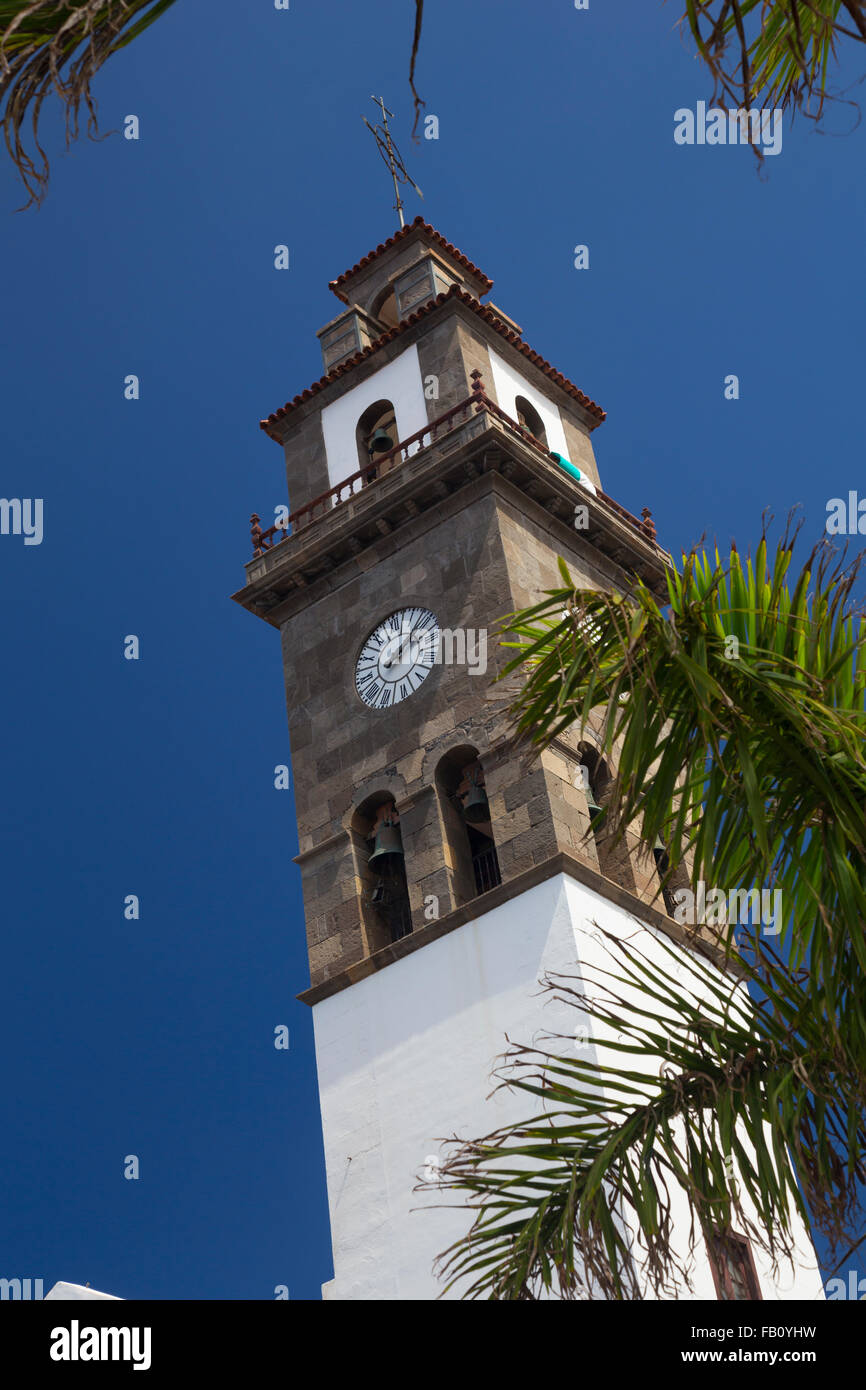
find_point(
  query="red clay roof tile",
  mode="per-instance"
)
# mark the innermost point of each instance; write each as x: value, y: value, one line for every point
x: 398, y: 236
x: 483, y: 312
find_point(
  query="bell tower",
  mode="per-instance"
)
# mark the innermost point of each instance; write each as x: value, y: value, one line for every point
x: 436, y: 472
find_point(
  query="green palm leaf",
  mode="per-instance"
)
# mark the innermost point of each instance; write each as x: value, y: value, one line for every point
x: 770, y: 54
x: 49, y: 46
x: 751, y: 767
x: 758, y: 1117
x: 735, y: 721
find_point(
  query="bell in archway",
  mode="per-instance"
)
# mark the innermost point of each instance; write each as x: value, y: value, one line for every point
x: 387, y: 847
x: 594, y: 809
x: 476, y: 807
x: 380, y: 443
x: 660, y: 855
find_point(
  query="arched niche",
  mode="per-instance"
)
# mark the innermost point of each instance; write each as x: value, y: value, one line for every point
x: 385, y: 909
x: 384, y: 308
x: 378, y: 419
x: 529, y: 418
x: 470, y: 844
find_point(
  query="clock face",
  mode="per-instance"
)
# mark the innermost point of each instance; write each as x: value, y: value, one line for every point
x: 397, y: 657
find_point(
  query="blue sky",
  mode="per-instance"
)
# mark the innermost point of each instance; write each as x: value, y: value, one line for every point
x: 155, y: 777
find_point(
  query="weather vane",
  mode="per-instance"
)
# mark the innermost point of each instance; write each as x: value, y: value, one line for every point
x: 391, y: 155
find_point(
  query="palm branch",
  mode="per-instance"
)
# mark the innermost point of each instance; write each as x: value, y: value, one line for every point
x: 773, y: 53
x: 756, y: 1115
x: 739, y: 723
x: 59, y: 46
x: 737, y: 720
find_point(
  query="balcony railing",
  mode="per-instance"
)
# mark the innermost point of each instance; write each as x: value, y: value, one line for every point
x: 370, y: 473
x: 475, y: 404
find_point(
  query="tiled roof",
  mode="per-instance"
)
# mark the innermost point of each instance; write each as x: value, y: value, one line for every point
x: 483, y: 312
x: 399, y: 236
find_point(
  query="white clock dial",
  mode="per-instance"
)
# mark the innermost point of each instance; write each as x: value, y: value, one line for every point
x: 397, y: 657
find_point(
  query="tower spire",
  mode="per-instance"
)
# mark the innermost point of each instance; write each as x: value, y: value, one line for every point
x: 391, y: 155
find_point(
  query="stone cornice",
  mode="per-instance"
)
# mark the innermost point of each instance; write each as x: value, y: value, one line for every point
x: 562, y: 863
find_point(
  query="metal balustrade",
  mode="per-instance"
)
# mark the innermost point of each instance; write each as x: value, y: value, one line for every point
x: 385, y: 464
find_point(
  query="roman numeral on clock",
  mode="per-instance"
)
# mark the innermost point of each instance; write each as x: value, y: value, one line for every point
x: 397, y: 657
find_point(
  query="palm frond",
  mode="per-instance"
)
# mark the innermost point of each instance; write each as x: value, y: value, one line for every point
x: 738, y: 719
x: 773, y: 53
x: 756, y: 1115
x: 58, y: 46
x: 734, y: 717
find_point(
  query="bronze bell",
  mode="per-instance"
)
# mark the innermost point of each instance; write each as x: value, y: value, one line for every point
x: 594, y: 809
x: 387, y: 847
x: 380, y: 443
x: 476, y: 807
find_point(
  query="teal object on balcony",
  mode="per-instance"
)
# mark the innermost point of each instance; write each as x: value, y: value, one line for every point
x: 569, y: 467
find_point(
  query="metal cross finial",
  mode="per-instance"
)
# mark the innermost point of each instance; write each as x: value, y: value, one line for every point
x: 391, y: 155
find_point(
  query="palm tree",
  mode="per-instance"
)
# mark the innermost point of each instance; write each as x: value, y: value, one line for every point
x: 49, y: 45
x: 758, y: 52
x: 773, y: 52
x: 738, y: 718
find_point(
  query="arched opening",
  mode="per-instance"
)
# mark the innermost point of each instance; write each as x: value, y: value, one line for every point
x: 618, y: 856
x: 385, y: 907
x: 470, y: 845
x: 376, y: 434
x: 529, y: 418
x: 663, y: 869
x: 596, y: 784
x: 671, y: 880
x: 385, y: 308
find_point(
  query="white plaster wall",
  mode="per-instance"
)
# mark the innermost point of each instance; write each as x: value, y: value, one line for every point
x: 405, y: 1058
x: 509, y: 384
x: 62, y: 1290
x: 399, y: 382
x: 589, y: 912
